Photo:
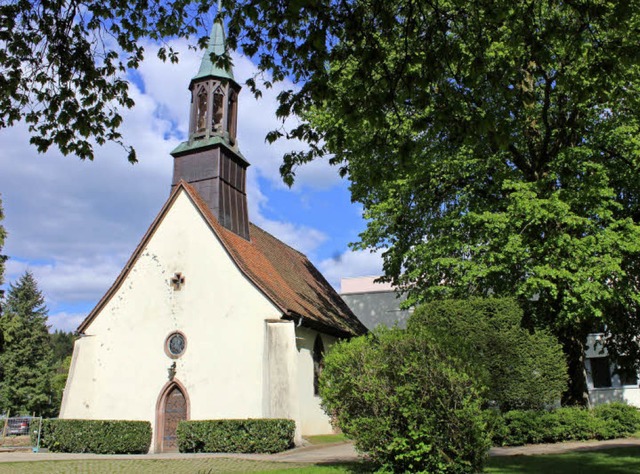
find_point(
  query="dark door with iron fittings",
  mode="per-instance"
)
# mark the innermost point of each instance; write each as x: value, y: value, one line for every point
x: 175, y: 410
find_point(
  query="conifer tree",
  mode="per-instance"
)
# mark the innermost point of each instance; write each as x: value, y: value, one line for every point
x: 25, y: 352
x: 2, y: 257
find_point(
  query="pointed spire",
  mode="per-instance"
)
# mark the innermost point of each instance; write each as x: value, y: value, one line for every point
x: 218, y: 47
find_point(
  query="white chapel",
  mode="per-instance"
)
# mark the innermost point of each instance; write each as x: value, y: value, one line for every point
x: 211, y: 317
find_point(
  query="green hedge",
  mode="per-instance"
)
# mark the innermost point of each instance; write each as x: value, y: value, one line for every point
x: 236, y: 436
x: 96, y: 436
x: 517, y: 427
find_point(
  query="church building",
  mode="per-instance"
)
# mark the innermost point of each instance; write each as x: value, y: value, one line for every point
x: 211, y: 317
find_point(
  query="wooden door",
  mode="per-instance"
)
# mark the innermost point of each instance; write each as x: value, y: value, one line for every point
x: 175, y: 410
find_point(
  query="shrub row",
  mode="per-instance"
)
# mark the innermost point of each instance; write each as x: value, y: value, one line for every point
x: 519, y: 427
x: 235, y: 436
x: 96, y: 436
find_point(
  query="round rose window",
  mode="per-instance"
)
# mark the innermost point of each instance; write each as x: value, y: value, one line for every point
x: 175, y: 345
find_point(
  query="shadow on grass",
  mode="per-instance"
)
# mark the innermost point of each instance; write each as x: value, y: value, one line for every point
x: 357, y: 467
x: 609, y: 461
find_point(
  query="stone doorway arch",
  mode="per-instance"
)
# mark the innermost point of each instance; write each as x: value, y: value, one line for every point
x: 172, y: 407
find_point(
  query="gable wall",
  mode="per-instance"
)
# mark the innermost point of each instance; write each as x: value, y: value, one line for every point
x: 120, y: 364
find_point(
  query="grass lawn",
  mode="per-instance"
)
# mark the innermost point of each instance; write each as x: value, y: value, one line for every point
x: 610, y: 461
x: 147, y: 466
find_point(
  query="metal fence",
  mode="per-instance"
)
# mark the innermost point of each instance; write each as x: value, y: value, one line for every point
x: 20, y: 432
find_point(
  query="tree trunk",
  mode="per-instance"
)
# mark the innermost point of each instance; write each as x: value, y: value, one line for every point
x: 577, y: 392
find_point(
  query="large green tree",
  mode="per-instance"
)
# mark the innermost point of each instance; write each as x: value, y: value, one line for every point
x: 494, y: 145
x: 25, y: 351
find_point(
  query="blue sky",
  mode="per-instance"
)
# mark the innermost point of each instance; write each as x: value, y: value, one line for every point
x: 74, y: 224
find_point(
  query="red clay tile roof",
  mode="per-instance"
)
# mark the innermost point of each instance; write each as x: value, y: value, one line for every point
x: 283, y: 274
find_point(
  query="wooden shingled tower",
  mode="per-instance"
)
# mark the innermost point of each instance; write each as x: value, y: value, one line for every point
x: 210, y: 160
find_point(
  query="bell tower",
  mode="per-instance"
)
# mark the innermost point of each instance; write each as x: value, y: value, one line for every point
x: 210, y: 159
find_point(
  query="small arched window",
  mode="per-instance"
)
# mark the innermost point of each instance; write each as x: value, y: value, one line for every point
x: 231, y: 114
x: 318, y: 362
x: 201, y: 110
x: 218, y: 110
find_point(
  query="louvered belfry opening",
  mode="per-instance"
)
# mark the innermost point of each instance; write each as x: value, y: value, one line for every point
x: 210, y: 159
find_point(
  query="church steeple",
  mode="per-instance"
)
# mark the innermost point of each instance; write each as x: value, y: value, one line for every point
x: 210, y: 159
x: 214, y: 94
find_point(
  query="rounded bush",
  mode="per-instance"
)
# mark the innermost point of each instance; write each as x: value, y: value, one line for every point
x: 406, y: 404
x: 521, y: 369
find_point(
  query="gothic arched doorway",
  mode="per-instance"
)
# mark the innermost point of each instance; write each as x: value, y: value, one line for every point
x: 172, y: 407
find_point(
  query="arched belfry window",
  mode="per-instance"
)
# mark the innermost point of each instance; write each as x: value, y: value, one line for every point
x: 201, y: 110
x: 232, y: 112
x: 218, y: 110
x: 318, y: 362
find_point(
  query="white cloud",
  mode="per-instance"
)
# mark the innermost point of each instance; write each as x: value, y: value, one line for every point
x: 71, y: 280
x: 66, y: 321
x: 302, y: 238
x: 351, y: 264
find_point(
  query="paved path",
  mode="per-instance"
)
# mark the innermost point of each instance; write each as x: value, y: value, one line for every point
x: 322, y: 453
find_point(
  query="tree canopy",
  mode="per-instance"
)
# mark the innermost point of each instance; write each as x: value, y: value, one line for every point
x: 63, y: 64
x: 493, y: 145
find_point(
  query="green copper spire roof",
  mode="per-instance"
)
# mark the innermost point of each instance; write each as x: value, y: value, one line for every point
x: 217, y: 45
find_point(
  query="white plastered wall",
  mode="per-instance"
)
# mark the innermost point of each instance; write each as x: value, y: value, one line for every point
x: 120, y: 365
x: 314, y: 420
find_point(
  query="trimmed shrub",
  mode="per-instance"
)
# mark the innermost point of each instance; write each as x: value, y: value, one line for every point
x: 519, y: 427
x: 96, y: 436
x: 619, y: 419
x: 405, y: 404
x: 572, y: 423
x: 522, y: 370
x: 236, y: 436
